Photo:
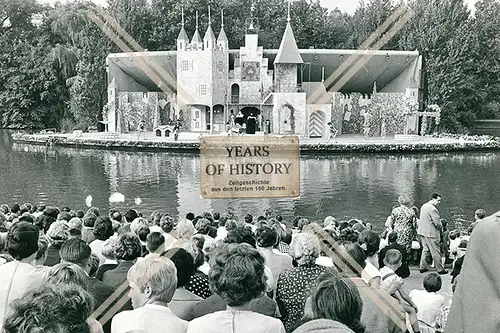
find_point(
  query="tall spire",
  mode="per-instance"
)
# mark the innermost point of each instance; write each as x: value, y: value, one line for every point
x: 209, y: 17
x: 196, y: 41
x: 222, y: 39
x: 209, y: 38
x: 289, y: 5
x: 182, y: 39
x: 288, y: 52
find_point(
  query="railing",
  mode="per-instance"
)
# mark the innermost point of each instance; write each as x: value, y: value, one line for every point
x: 235, y: 99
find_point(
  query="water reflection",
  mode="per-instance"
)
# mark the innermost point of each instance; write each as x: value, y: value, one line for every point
x: 346, y: 186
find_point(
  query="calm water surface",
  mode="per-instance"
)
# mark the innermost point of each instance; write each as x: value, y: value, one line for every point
x: 345, y: 186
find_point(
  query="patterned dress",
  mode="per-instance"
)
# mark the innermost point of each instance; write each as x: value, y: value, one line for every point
x: 403, y: 218
x: 293, y: 289
x: 198, y: 285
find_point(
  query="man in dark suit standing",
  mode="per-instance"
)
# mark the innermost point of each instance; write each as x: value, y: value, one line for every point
x: 429, y: 230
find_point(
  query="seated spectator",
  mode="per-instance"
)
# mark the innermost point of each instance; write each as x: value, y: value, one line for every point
x: 167, y: 226
x: 428, y: 302
x: 457, y: 266
x: 203, y: 227
x: 295, y: 285
x: 51, y: 309
x: 74, y: 234
x: 88, y: 227
x: 404, y: 270
x: 335, y: 305
x: 108, y: 251
x: 479, y: 215
x: 56, y: 235
x: 77, y: 252
x: 349, y: 258
x: 103, y: 230
x: 183, y: 301
x: 150, y: 294
x: 75, y: 223
x: 19, y: 276
x: 41, y: 254
x: 94, y: 265
x: 71, y: 274
x: 237, y: 276
x: 198, y: 283
x: 143, y: 233
x: 131, y: 215
x: 127, y: 250
x: 370, y: 242
x: 221, y: 230
x: 267, y: 238
x: 155, y: 221
x: 285, y: 238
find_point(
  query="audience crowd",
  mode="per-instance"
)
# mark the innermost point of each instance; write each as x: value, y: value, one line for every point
x: 69, y: 271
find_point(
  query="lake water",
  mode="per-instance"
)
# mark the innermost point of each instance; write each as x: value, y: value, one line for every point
x: 345, y: 186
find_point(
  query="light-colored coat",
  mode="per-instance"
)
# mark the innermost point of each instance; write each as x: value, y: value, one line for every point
x: 430, y: 223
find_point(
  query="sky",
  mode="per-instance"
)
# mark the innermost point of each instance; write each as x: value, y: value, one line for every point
x: 344, y: 5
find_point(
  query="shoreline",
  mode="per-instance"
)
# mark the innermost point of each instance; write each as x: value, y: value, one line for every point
x: 189, y: 142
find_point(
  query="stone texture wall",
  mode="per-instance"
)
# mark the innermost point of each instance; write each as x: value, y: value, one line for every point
x: 286, y: 78
x: 289, y: 113
x: 134, y: 107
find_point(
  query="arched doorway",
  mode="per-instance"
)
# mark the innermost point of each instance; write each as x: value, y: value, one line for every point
x: 218, y: 120
x: 252, y: 110
x: 287, y: 119
x: 235, y: 94
x: 316, y: 124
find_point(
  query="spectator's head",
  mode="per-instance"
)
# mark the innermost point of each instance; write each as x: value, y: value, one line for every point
x: 89, y: 220
x: 66, y: 209
x: 404, y: 200
x: 330, y: 222
x: 80, y: 214
x: 93, y: 264
x: 351, y: 258
x: 93, y: 210
x: 279, y: 218
x: 51, y: 309
x: 67, y: 273
x: 167, y: 223
x: 117, y: 216
x: 58, y: 233
x: 26, y: 217
x: 240, y: 235
x: 41, y: 254
x: 305, y: 248
x: 63, y: 216
x: 454, y: 234
x: 192, y: 248
x: 435, y: 198
x: 143, y: 233
x: 237, y: 274
x: 137, y: 224
x: 131, y: 215
x: 74, y: 233
x: 154, y: 241
x: 51, y: 211
x: 75, y: 223
x: 230, y: 225
x: 152, y: 279
x: 222, y: 221
x: 43, y: 222
x: 128, y: 247
x: 480, y: 214
x: 77, y: 252
x: 301, y: 223
x: 369, y: 241
x: 108, y: 251
x: 190, y: 216
x: 248, y: 218
x: 184, y: 263
x: 103, y: 228
x: 393, y: 259
x: 393, y: 237
x: 216, y: 216
x: 337, y: 298
x: 266, y: 237
x: 15, y: 208
x: 203, y: 226
x: 184, y: 230
x: 22, y: 241
x: 432, y: 282
x: 156, y: 217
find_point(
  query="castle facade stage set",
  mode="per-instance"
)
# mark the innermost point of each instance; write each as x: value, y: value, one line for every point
x: 205, y: 87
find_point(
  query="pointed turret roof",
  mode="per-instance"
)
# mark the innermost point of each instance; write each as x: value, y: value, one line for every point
x: 196, y: 37
x: 222, y: 36
x: 288, y: 52
x: 209, y: 35
x: 182, y: 34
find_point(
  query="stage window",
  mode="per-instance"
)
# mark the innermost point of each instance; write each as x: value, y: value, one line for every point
x: 185, y: 65
x: 203, y: 89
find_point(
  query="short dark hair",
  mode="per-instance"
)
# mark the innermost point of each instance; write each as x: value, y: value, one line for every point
x: 80, y: 214
x: 248, y: 218
x: 51, y: 211
x: 338, y: 298
x: 74, y: 233
x: 266, y: 237
x: 154, y: 241
x: 15, y: 208
x: 240, y: 235
x: 184, y: 263
x: 143, y: 233
x: 190, y: 216
x: 27, y: 218
x: 128, y: 247
x: 372, y: 241
x: 393, y: 257
x: 432, y: 282
x: 351, y: 250
x: 480, y: 213
x: 393, y: 237
x: 64, y: 216
x: 130, y: 215
x: 279, y: 218
x: 216, y: 216
x: 75, y: 251
x: 22, y: 240
x: 237, y: 273
x: 117, y: 216
x: 103, y: 228
x: 434, y: 195
x: 167, y: 223
x: 51, y: 308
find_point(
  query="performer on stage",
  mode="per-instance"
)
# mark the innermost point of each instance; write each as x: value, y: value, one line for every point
x: 251, y: 122
x: 333, y: 132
